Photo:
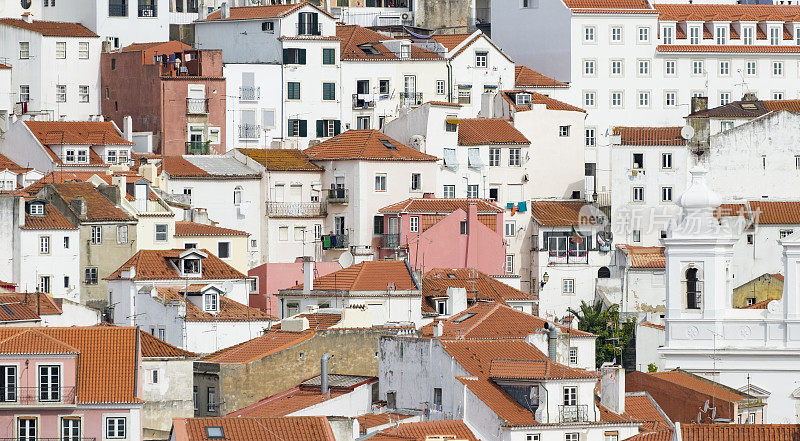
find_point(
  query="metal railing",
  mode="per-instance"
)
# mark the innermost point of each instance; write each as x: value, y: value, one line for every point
x: 391, y: 240
x: 411, y: 99
x: 36, y: 396
x: 568, y: 256
x: 198, y: 147
x: 148, y: 11
x: 305, y: 28
x: 362, y: 103
x: 248, y: 131
x: 296, y: 209
x: 196, y: 106
x: 337, y: 195
x: 118, y: 10
x: 334, y: 241
x: 573, y: 414
x: 694, y: 293
x: 249, y: 93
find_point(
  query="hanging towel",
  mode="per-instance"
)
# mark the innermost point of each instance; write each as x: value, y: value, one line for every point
x: 522, y: 206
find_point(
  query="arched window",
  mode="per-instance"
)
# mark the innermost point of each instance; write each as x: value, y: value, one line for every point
x: 237, y: 195
x: 693, y: 289
x: 603, y: 273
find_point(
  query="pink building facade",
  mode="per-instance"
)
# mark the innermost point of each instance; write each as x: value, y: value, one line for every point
x: 275, y: 276
x: 445, y: 233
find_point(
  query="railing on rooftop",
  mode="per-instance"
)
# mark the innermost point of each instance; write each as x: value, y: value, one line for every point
x: 36, y: 396
x: 573, y: 414
x: 196, y: 106
x: 296, y: 209
x: 568, y: 256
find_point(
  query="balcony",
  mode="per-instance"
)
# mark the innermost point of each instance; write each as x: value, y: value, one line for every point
x: 147, y: 11
x: 573, y: 414
x: 296, y: 209
x: 411, y: 99
x: 37, y: 396
x: 198, y: 147
x: 568, y: 256
x: 337, y: 196
x: 334, y: 242
x: 363, y: 101
x: 391, y: 240
x: 197, y: 106
x: 248, y: 131
x: 305, y: 28
x: 249, y: 93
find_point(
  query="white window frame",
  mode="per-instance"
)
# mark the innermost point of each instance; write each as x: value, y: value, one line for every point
x: 643, y: 99
x: 777, y: 69
x: 83, y: 50
x: 590, y: 34
x: 637, y: 194
x: 380, y: 182
x: 509, y: 264
x: 666, y: 161
x: 751, y: 68
x: 643, y: 68
x: 613, y: 95
x: 724, y: 68
x: 96, y: 235
x: 695, y: 34
x: 413, y: 224
x: 118, y: 425
x: 510, y: 229
x: 61, y: 50
x: 666, y: 194
x: 589, y: 98
x: 670, y: 98
x: 698, y: 64
x: 616, y: 67
x: 44, y: 245
x: 590, y: 68
x: 670, y: 68
x: 643, y: 34
x: 568, y: 286
x: 615, y: 34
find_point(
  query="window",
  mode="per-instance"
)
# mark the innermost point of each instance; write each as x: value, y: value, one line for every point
x: 115, y: 427
x: 383, y: 87
x: 697, y: 67
x: 267, y: 118
x: 638, y: 194
x: 532, y: 4
x: 44, y: 284
x: 666, y: 160
x: 721, y: 34
x: 750, y: 68
x: 298, y: 127
x: 328, y: 56
x: 637, y: 235
x: 494, y: 157
x: 777, y: 95
x: 49, y: 383
x: 70, y: 429
x: 616, y: 34
x: 724, y: 68
x: 437, y: 397
x: 532, y: 437
x: 589, y: 34
x: 26, y: 429
x: 294, y: 56
x: 66, y: 241
x: 589, y: 99
x: 36, y: 209
x: 283, y: 233
x: 670, y: 98
x: 616, y: 68
x: 573, y: 356
x: 590, y: 137
x: 362, y: 123
x: 416, y: 181
x: 666, y: 194
x: 751, y: 418
x: 24, y: 50
x: 215, y: 432
x: 611, y: 436
x: 777, y: 68
x: 122, y: 234
x: 97, y: 235
x: 747, y: 35
x: 775, y: 36
x: 670, y: 67
x: 413, y: 224
x: 268, y: 26
x: 328, y: 91
x: 644, y: 68
x: 509, y: 264
x: 299, y: 234
x: 616, y: 99
x: 237, y: 195
x: 210, y: 302
x: 83, y: 50
x: 472, y: 191
x: 90, y: 276
x: 191, y: 266
x: 510, y: 228
x: 377, y: 225
x: 481, y: 58
x: 783, y: 233
x: 405, y: 51
x: 61, y: 50
x: 441, y: 307
x: 725, y: 125
x: 224, y: 250
x: 724, y: 98
x: 464, y: 95
x: 589, y: 68
x: 694, y: 35
x: 450, y: 123
x: 563, y: 131
x: 44, y: 244
x: 61, y: 93
x: 317, y: 231
x: 514, y: 154
x: 154, y: 375
x: 644, y: 98
x: 668, y: 34
x: 449, y: 191
x: 797, y: 162
x: 380, y: 182
x: 24, y: 93
x: 570, y: 393
x: 764, y: 162
x: 293, y: 90
x: 463, y: 227
x: 161, y: 232
x: 643, y: 34
x: 439, y: 87
x: 568, y: 286
x: 83, y: 94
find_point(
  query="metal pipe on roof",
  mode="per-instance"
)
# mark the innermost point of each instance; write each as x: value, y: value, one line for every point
x: 323, y: 377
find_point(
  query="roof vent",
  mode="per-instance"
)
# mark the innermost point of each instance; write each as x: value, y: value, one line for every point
x: 750, y: 96
x: 215, y: 432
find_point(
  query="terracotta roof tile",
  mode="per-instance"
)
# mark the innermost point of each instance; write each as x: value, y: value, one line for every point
x: 501, y: 403
x: 104, y: 376
x: 607, y: 4
x: 7, y: 164
x: 76, y: 132
x: 365, y: 144
x: 537, y: 98
x: 754, y: 109
x: 440, y: 206
x: 479, y: 286
x: 484, y: 131
x: 727, y: 210
x: 692, y: 382
x: 270, y: 343
x: 512, y: 369
x: 153, y: 347
x: 304, y: 428
x: 726, y: 432
x: 229, y: 310
x: 450, y: 41
x: 183, y: 228
x: 3, y: 66
x: 759, y: 305
x: 372, y: 275
x: 652, y: 325
x: 712, y: 12
x: 169, y: 46
x: 50, y: 28
x: 443, y: 103
x: 650, y: 136
x: 281, y: 159
x: 258, y: 12
x: 355, y: 38
x: 525, y: 77
x: 640, y: 406
x: 371, y: 420
x: 316, y: 320
x: 14, y: 311
x: 558, y: 213
x: 39, y: 303
x: 31, y: 341
x: 157, y: 265
x: 52, y: 220
x: 644, y: 257
x: 180, y: 167
x: 775, y: 212
x: 424, y: 430
x: 98, y: 207
x: 207, y: 166
x: 710, y: 48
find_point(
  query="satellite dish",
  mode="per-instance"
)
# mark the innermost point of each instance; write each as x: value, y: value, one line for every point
x: 687, y: 132
x: 346, y: 259
x: 227, y: 286
x: 705, y: 407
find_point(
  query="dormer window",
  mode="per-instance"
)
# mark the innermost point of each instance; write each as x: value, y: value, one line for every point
x: 211, y: 301
x: 83, y: 157
x: 69, y: 156
x: 523, y: 99
x: 405, y: 51
x: 191, y: 267
x: 308, y: 24
x: 111, y: 157
x: 36, y: 209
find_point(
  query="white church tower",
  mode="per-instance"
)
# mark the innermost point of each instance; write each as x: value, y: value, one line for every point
x: 704, y: 333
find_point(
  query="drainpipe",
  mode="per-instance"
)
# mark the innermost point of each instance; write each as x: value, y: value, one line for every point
x: 323, y: 377
x: 449, y: 81
x: 552, y: 340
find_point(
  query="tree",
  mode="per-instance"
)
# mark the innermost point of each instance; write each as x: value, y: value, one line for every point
x: 614, y: 337
x: 652, y: 368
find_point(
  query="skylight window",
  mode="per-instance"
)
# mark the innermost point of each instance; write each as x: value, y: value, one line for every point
x: 464, y: 317
x: 749, y: 106
x: 368, y: 49
x: 214, y: 432
x: 388, y: 144
x: 451, y: 275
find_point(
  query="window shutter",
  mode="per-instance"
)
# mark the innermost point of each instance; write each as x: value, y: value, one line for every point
x: 303, y: 128
x: 301, y: 56
x: 291, y: 127
x: 337, y: 127
x: 320, y: 128
x: 286, y: 56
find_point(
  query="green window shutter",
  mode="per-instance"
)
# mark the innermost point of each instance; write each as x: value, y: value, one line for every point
x: 286, y: 56
x: 328, y: 56
x: 329, y: 91
x: 337, y: 127
x: 303, y: 128
x: 293, y: 91
x: 320, y: 128
x: 301, y: 56
x: 291, y: 128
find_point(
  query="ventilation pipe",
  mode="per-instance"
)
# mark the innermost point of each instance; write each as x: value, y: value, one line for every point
x: 552, y: 340
x: 323, y: 376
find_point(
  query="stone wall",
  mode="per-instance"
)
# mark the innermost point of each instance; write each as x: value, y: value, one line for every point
x: 452, y: 15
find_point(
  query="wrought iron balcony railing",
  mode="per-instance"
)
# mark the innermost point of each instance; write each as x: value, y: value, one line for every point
x: 36, y: 396
x: 198, y: 147
x: 411, y: 99
x: 249, y: 93
x: 363, y: 101
x: 248, y: 131
x: 337, y: 196
x: 296, y: 209
x: 390, y: 240
x: 196, y: 106
x: 573, y: 414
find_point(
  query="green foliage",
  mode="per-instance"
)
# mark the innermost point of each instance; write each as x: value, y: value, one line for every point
x: 652, y: 368
x: 614, y: 337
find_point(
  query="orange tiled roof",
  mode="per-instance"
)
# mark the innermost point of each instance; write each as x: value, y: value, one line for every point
x: 443, y: 103
x: 725, y: 210
x: 157, y: 265
x: 483, y: 131
x: 693, y: 382
x: 527, y: 77
x: 652, y: 325
x: 38, y: 302
x: 52, y: 220
x: 607, y: 4
x: 640, y: 406
x: 104, y: 376
x: 50, y: 28
x: 281, y: 159
x: 258, y: 12
x: 538, y: 98
x: 726, y: 432
x: 759, y: 305
x: 98, y: 208
x: 450, y: 41
x: 303, y: 428
x: 365, y: 144
x: 644, y: 257
x: 4, y: 66
x: 184, y: 228
x: 440, y: 205
x: 479, y: 286
x: 557, y: 213
x: 775, y: 212
x: 316, y: 320
x: 371, y: 420
x: 372, y: 275
x: 153, y: 347
x: 726, y: 48
x: 31, y: 341
x: 15, y: 311
x: 511, y: 369
x: 79, y: 176
x: 7, y: 164
x: 650, y: 136
x: 712, y: 12
x: 229, y: 310
x: 76, y: 132
x: 270, y: 343
x: 354, y: 36
x: 489, y: 320
x: 424, y: 430
x: 180, y: 167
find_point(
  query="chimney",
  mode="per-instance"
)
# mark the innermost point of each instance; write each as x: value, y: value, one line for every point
x: 78, y: 204
x: 456, y: 300
x: 308, y: 274
x: 428, y: 196
x: 323, y: 374
x: 28, y: 17
x: 750, y: 96
x: 119, y: 182
x: 438, y: 329
x: 127, y: 128
x: 223, y: 11
x: 699, y: 103
x: 148, y: 171
x: 552, y: 340
x: 140, y: 193
x: 612, y: 388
